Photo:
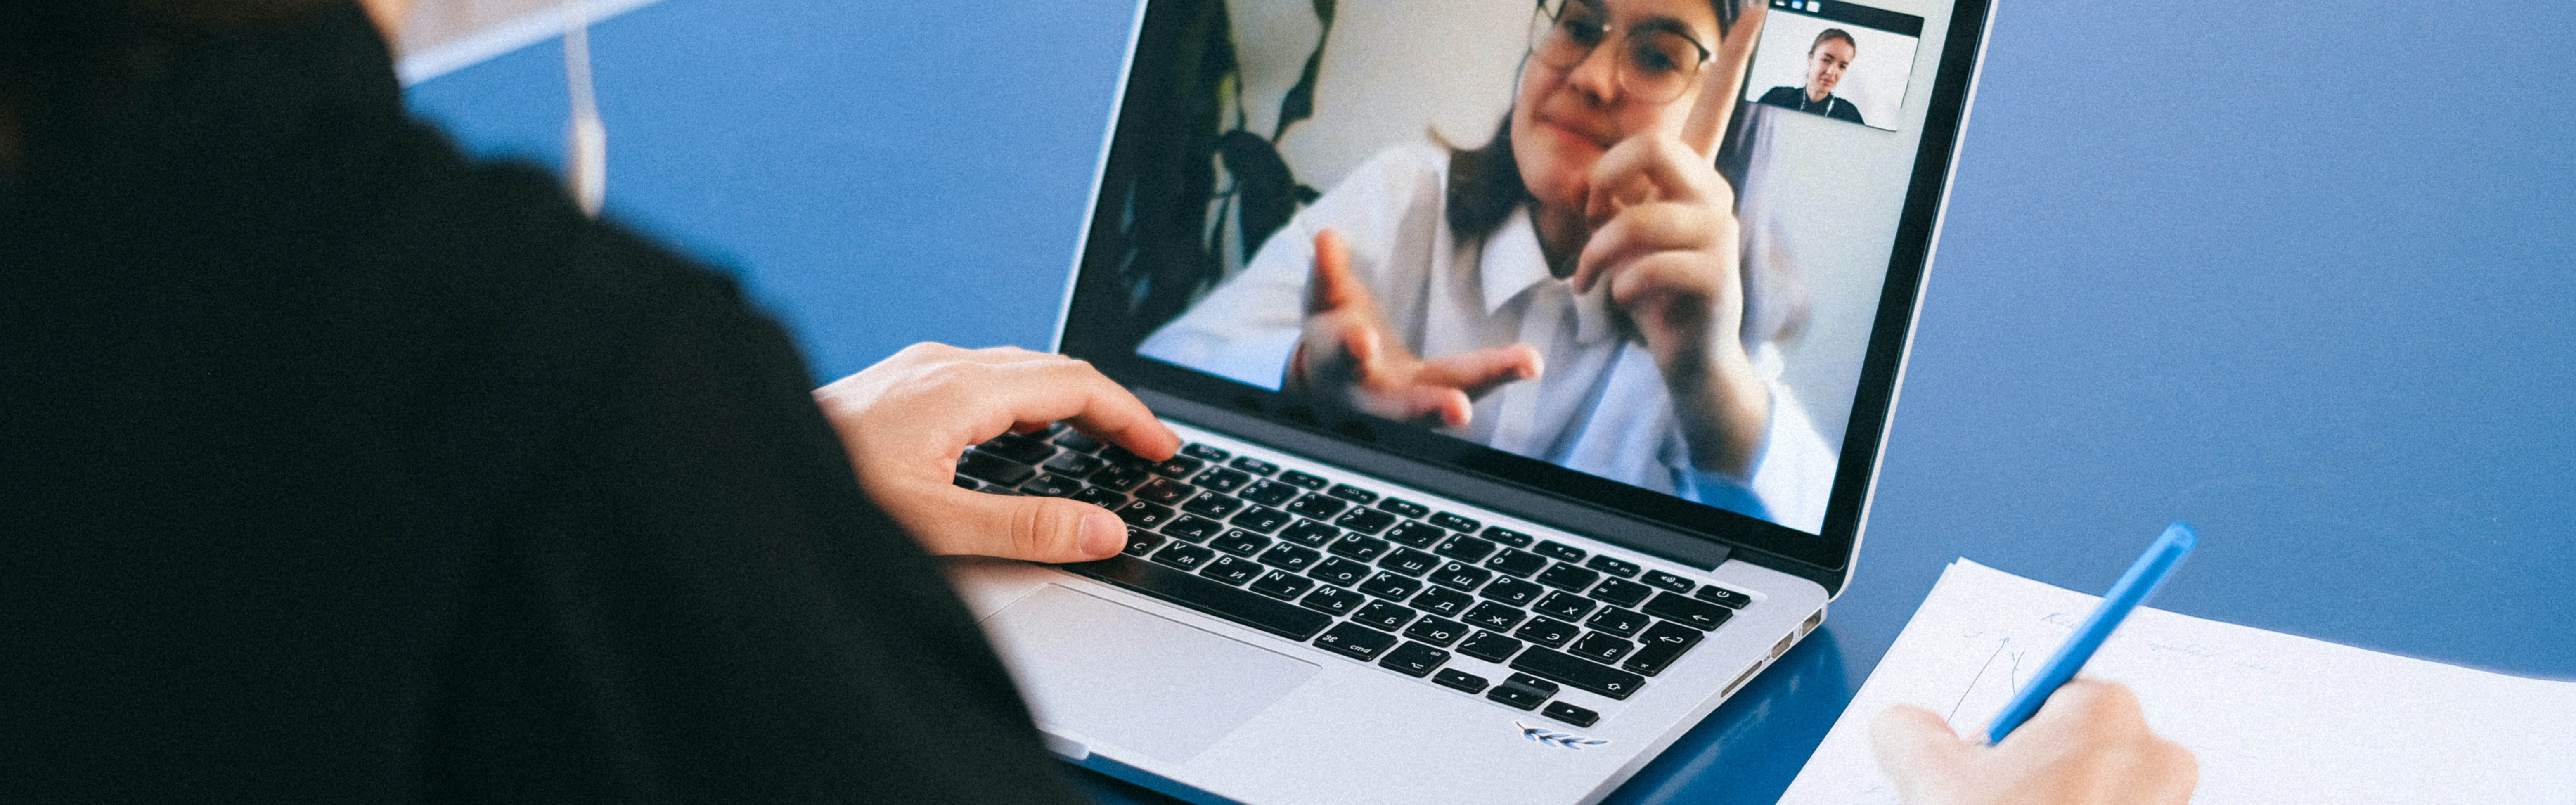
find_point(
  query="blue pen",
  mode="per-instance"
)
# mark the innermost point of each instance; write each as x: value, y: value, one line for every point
x: 2141, y: 581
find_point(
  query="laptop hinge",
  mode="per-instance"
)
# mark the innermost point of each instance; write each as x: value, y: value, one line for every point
x: 1609, y: 526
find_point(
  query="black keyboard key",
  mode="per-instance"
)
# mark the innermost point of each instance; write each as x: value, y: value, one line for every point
x: 1164, y: 491
x: 1355, y: 641
x: 1339, y: 572
x: 1568, y: 577
x: 1192, y: 528
x: 1074, y: 440
x: 1409, y: 562
x: 1178, y: 467
x: 1139, y: 541
x: 1459, y: 680
x: 1548, y: 632
x: 1074, y: 465
x: 1443, y: 601
x: 1721, y: 596
x: 1414, y: 659
x: 965, y: 483
x: 1019, y: 448
x: 1391, y: 586
x: 1517, y: 563
x: 1699, y: 615
x: 1579, y: 672
x: 1102, y: 497
x: 1318, y: 506
x: 1203, y: 452
x: 1437, y: 631
x: 1461, y: 575
x: 1264, y: 520
x: 1601, y: 648
x: 1455, y: 523
x: 1416, y: 535
x: 1276, y: 617
x: 1384, y: 615
x: 1240, y: 542
x: 1622, y: 592
x: 1253, y: 465
x: 1122, y: 457
x: 1621, y: 568
x: 1662, y: 644
x: 1184, y: 556
x: 1212, y: 504
x: 1269, y: 493
x: 1466, y: 549
x: 1222, y: 480
x: 1359, y: 546
x: 1559, y: 551
x: 1368, y: 521
x: 1489, y: 646
x: 1232, y: 569
x: 1531, y: 682
x: 1514, y: 592
x: 1290, y: 558
x: 1517, y: 696
x: 1120, y: 478
x: 1333, y: 599
x: 1669, y: 581
x: 1495, y: 616
x: 990, y: 468
x: 1570, y: 714
x: 1508, y: 537
x: 1353, y: 494
x: 1304, y: 479
x: 1051, y: 485
x: 1564, y: 606
x: 1621, y: 622
x: 1404, y: 508
x: 1311, y: 534
x: 1282, y: 585
x: 1146, y: 515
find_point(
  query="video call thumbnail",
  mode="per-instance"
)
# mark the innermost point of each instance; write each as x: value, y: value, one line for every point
x: 1841, y: 60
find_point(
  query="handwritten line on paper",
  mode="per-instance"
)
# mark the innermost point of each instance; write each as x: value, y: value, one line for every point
x: 2273, y: 718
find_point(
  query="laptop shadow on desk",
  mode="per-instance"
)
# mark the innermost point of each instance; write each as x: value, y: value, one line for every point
x: 1753, y: 746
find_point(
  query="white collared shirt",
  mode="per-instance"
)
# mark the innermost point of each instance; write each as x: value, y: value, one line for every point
x: 1600, y: 406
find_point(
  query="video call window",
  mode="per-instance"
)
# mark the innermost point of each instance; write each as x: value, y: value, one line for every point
x: 1841, y: 60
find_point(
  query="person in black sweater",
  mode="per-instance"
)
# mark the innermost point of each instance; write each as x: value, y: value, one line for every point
x: 334, y: 467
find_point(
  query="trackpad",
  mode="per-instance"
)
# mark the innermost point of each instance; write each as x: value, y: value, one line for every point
x: 1124, y: 675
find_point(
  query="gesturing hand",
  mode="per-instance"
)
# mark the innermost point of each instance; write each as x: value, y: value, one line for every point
x: 907, y: 419
x: 2088, y: 746
x: 1347, y: 353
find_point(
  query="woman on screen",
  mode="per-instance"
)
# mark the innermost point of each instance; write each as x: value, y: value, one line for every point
x: 1573, y: 291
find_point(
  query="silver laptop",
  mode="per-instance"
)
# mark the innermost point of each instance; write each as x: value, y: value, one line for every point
x: 1498, y: 479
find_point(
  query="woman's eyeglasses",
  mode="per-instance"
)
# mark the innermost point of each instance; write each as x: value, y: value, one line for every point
x: 1654, y: 62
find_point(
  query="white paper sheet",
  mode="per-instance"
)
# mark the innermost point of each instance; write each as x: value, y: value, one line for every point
x: 2272, y: 717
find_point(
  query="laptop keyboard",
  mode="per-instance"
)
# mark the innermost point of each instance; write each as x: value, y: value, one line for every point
x: 1378, y: 579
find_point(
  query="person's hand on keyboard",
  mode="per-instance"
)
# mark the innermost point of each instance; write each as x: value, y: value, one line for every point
x: 907, y: 420
x: 2090, y: 744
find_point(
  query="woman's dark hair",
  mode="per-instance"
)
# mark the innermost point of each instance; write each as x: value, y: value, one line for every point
x: 63, y: 58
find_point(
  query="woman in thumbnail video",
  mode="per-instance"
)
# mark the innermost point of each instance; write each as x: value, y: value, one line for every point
x: 1572, y: 291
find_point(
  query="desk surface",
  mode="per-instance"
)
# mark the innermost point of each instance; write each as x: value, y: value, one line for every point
x: 2304, y: 280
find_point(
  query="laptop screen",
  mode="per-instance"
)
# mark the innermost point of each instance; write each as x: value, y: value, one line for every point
x: 1658, y: 255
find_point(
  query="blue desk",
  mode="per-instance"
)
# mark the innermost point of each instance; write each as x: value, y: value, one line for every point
x: 2306, y: 279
